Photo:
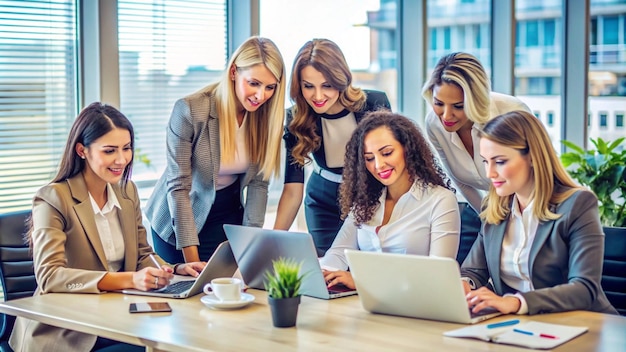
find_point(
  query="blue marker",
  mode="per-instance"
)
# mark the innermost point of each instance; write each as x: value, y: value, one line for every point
x: 503, y: 323
x: 524, y: 332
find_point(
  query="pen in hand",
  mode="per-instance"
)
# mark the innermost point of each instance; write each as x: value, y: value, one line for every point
x: 156, y: 263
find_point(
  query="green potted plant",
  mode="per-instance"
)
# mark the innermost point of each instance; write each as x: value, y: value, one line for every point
x: 603, y: 170
x: 283, y: 288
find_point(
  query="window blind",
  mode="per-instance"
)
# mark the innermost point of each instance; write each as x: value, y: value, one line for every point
x: 168, y: 49
x: 37, y: 94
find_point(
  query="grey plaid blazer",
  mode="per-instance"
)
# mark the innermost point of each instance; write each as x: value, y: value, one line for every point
x: 183, y: 196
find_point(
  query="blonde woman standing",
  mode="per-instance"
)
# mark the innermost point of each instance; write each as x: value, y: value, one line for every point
x: 222, y: 141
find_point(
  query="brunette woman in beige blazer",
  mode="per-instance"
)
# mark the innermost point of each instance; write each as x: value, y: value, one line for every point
x: 87, y: 234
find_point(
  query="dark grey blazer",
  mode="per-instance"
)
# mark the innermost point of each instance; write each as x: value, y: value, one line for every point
x: 565, y: 257
x: 183, y: 196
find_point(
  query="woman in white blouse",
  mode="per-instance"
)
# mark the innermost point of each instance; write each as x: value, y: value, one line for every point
x: 460, y: 95
x: 395, y: 195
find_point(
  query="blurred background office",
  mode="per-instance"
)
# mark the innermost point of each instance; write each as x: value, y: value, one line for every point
x: 566, y: 59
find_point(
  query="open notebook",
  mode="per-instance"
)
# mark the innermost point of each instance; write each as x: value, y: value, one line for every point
x: 531, y: 334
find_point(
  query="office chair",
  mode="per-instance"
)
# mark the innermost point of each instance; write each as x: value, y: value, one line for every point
x: 470, y: 227
x: 614, y: 267
x: 17, y: 275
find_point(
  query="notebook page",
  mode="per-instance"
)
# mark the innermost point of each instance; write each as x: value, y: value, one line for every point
x: 559, y: 334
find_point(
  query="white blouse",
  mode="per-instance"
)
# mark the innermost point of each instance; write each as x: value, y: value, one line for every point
x: 110, y: 229
x: 423, y: 222
x: 518, y: 239
x: 467, y: 172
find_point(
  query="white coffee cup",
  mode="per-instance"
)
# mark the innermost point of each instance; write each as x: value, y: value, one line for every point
x: 225, y: 288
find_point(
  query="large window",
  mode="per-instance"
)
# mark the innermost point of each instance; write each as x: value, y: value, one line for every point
x: 607, y: 69
x: 459, y: 26
x: 538, y: 61
x: 365, y: 30
x: 167, y: 49
x: 359, y: 27
x: 37, y: 94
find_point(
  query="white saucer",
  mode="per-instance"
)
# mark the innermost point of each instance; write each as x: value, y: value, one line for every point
x: 213, y: 302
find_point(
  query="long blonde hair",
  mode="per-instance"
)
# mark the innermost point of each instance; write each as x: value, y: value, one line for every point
x: 466, y: 72
x: 264, y: 125
x: 326, y: 57
x: 522, y: 131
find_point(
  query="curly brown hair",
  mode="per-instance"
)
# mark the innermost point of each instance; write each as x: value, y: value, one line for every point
x: 326, y: 57
x: 360, y: 191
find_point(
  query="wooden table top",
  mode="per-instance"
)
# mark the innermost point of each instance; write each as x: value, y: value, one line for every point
x: 322, y: 325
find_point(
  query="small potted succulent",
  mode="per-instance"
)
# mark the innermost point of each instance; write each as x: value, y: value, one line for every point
x: 283, y: 288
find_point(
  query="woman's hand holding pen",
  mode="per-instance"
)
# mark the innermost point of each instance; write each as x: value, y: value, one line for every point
x: 151, y: 278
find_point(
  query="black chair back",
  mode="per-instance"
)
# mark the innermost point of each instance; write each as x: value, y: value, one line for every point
x: 17, y: 275
x: 614, y: 267
x: 470, y: 227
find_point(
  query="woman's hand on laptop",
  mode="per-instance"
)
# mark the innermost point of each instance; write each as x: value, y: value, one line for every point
x: 333, y: 278
x: 191, y: 269
x: 483, y: 297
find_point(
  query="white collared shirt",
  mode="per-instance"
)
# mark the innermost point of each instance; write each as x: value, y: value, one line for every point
x: 423, y: 222
x: 110, y: 229
x: 516, y: 245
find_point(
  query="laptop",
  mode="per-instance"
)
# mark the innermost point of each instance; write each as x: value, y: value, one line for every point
x: 255, y: 248
x: 412, y: 286
x: 221, y: 264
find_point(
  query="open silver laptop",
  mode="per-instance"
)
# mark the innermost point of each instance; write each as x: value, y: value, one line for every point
x: 221, y: 264
x: 412, y: 286
x: 255, y: 248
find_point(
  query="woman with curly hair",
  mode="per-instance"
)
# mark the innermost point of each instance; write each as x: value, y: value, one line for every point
x: 395, y: 195
x: 327, y: 109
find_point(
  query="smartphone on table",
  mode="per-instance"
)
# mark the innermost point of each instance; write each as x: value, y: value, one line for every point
x: 149, y: 307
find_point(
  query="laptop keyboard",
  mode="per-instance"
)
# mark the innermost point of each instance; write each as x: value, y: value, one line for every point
x: 339, y: 288
x: 484, y: 311
x: 177, y: 287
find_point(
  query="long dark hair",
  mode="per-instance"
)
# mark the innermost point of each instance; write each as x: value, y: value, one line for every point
x: 421, y: 164
x: 93, y: 122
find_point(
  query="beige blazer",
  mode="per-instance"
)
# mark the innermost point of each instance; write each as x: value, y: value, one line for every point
x: 68, y: 256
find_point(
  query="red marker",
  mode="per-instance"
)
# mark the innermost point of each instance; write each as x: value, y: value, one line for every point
x: 548, y: 336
